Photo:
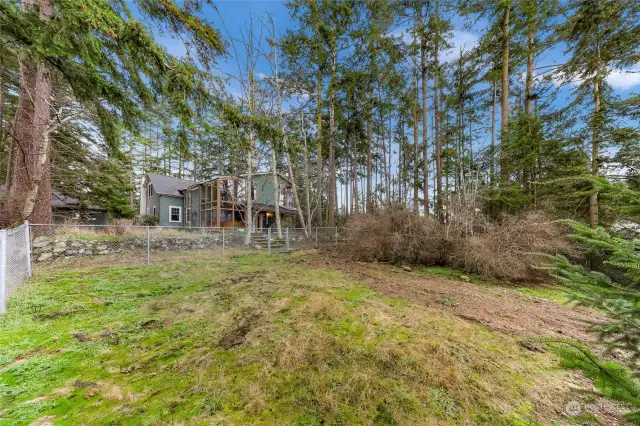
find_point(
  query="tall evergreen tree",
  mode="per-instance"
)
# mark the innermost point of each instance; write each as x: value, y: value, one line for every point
x: 601, y: 36
x: 113, y: 66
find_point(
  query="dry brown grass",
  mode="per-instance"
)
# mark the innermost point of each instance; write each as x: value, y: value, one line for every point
x: 507, y: 249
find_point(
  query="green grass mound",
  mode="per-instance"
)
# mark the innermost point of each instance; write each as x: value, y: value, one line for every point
x: 252, y: 340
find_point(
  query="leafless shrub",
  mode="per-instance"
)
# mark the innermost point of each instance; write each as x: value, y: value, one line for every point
x: 395, y: 234
x: 510, y: 248
x: 507, y: 249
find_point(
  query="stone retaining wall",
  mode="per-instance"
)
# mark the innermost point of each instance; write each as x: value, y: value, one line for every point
x: 50, y: 248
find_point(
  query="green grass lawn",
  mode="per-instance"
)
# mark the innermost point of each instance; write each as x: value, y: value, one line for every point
x: 254, y: 339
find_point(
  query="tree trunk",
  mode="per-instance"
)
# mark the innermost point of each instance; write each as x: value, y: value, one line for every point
x: 132, y: 193
x: 276, y: 190
x: 504, y: 125
x: 595, y: 145
x: 438, y: 136
x: 492, y: 147
x: 2, y: 138
x: 389, y: 172
x: 332, y: 160
x: 347, y: 200
x: 528, y: 93
x: 354, y: 168
x: 29, y: 196
x: 248, y: 215
x: 249, y: 219
x: 416, y: 151
x: 307, y: 186
x: 319, y: 166
x: 369, y: 204
x: 425, y: 149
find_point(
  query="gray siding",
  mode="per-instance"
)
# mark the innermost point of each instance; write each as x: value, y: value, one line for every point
x: 152, y: 202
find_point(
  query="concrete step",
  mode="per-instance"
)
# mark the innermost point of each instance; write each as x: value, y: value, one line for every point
x: 262, y: 240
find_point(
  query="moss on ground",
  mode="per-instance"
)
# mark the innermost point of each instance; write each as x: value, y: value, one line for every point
x: 252, y: 339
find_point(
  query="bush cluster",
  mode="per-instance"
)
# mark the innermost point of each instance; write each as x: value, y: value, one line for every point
x: 508, y: 248
x: 147, y: 220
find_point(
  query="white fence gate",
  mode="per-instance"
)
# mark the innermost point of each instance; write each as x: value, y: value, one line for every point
x: 15, y: 261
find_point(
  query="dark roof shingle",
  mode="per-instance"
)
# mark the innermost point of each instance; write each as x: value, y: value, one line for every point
x: 169, y: 185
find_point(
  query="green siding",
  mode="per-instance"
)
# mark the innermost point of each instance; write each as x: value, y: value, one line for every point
x: 165, y: 202
x: 264, y: 189
x: 195, y: 207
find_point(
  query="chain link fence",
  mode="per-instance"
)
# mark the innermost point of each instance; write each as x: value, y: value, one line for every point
x: 148, y: 244
x: 15, y: 261
x: 56, y: 246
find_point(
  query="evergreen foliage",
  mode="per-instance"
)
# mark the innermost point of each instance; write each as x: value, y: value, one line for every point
x: 609, y: 378
x: 611, y: 285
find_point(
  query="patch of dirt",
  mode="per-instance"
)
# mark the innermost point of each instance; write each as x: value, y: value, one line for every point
x: 80, y: 384
x: 499, y: 309
x: 12, y: 364
x: 241, y: 279
x: 237, y: 335
x: 22, y: 358
x: 43, y: 421
x: 81, y: 337
x: 36, y: 400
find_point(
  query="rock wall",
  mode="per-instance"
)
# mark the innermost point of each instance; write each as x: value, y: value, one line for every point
x: 50, y: 248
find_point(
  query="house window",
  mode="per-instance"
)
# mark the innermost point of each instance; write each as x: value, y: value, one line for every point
x: 175, y: 214
x: 154, y: 210
x: 150, y: 190
x: 148, y: 210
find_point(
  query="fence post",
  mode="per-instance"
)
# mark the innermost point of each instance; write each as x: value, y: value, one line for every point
x: 148, y: 247
x: 269, y: 240
x: 222, y: 242
x: 3, y: 270
x: 28, y: 244
x: 287, y: 238
x: 316, y: 236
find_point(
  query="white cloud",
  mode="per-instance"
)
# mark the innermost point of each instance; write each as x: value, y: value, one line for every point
x: 618, y: 79
x: 461, y: 40
x: 261, y: 76
x: 404, y: 34
x: 625, y: 79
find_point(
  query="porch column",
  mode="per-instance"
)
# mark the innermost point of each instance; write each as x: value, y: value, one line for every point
x: 218, y: 202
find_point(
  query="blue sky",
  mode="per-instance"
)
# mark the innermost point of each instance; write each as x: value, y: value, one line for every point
x: 232, y: 19
x: 233, y: 16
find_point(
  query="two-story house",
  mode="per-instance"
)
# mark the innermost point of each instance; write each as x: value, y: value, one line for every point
x: 218, y: 202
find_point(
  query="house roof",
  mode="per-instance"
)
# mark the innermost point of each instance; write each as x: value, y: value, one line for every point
x: 168, y: 185
x: 61, y: 201
x: 271, y: 208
